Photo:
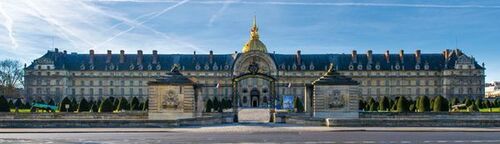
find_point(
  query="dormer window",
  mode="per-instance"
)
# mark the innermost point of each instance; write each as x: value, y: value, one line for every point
x: 377, y: 67
x: 158, y: 67
x: 369, y: 67
x: 417, y: 67
x: 360, y: 67
x: 303, y: 67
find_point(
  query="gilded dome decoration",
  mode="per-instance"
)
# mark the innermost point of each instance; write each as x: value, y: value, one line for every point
x: 254, y: 44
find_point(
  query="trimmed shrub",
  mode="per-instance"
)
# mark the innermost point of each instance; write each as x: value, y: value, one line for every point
x: 62, y: 106
x: 468, y: 102
x: 373, y: 107
x: 497, y: 102
x: 11, y: 104
x: 298, y: 105
x: 402, y: 105
x: 123, y: 104
x: 383, y: 104
x: 51, y: 102
x: 216, y: 104
x: 83, y: 106
x: 145, y: 105
x: 4, y: 104
x: 135, y: 104
x: 19, y: 104
x: 424, y: 104
x: 479, y: 103
x: 440, y: 104
x: 208, y: 106
x: 106, y: 106
x: 454, y: 101
x: 472, y: 108
x: 361, y: 105
x: 74, y: 104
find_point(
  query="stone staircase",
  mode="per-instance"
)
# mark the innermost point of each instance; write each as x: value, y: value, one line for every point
x: 253, y: 115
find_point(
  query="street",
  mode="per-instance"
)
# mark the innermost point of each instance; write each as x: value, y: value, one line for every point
x: 254, y: 133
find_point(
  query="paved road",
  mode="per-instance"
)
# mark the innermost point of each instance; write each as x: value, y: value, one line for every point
x: 254, y: 134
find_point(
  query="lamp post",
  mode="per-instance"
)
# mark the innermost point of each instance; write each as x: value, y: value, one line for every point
x: 67, y: 107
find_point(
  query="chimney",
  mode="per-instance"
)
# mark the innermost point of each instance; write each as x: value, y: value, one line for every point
x: 354, y: 56
x: 387, y: 56
x: 417, y: 56
x: 155, y: 57
x: 92, y: 56
x: 56, y: 50
x: 194, y: 56
x: 446, y: 54
x: 369, y: 56
x: 298, y: 58
x: 139, y: 57
x: 211, y: 57
x: 122, y: 56
x: 65, y: 52
x: 108, y: 57
x: 401, y: 56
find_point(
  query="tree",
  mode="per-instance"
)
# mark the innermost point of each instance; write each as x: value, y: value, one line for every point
x: 371, y: 106
x: 10, y: 104
x: 11, y: 76
x: 94, y: 105
x: 361, y: 105
x: 216, y: 104
x: 440, y: 104
x: 383, y: 104
x: 497, y: 102
x: 479, y: 103
x: 402, y: 105
x: 106, y: 106
x: 146, y: 105
x: 51, y: 102
x: 454, y: 101
x: 123, y: 104
x: 394, y: 104
x: 468, y: 102
x: 298, y: 105
x: 19, y: 104
x: 135, y: 104
x: 116, y: 102
x: 4, y: 105
x: 62, y: 106
x: 83, y: 106
x: 208, y: 106
x: 424, y: 104
x: 74, y: 104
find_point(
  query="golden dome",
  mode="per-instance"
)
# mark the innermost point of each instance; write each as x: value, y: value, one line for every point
x: 254, y: 44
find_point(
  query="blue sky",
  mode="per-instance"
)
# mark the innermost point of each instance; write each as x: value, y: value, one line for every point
x: 30, y: 28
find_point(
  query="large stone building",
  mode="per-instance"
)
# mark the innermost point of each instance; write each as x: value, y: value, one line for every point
x: 254, y: 74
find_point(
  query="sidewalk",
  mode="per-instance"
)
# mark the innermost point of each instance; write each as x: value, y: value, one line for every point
x: 247, y: 128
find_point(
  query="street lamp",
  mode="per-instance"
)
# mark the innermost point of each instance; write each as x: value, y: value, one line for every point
x: 67, y: 107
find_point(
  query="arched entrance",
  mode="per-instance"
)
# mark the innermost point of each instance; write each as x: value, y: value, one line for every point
x: 254, y: 98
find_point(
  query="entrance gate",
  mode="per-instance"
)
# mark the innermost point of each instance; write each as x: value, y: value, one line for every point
x: 254, y: 94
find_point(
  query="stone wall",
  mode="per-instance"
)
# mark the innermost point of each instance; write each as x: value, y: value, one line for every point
x: 114, y: 123
x: 80, y: 116
x: 389, y: 119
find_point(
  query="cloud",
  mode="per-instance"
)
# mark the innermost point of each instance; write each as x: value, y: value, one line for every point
x: 220, y: 11
x: 8, y: 25
x: 312, y: 3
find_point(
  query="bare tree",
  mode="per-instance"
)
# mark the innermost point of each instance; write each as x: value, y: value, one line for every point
x: 11, y: 76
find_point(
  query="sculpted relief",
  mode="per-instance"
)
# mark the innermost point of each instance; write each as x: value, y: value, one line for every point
x: 171, y: 101
x: 336, y: 99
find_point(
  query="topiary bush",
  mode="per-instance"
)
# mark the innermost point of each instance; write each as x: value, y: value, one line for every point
x: 83, y: 106
x: 4, y: 104
x: 135, y: 104
x: 384, y: 104
x: 424, y: 104
x: 62, y: 105
x: 208, y: 106
x: 298, y: 105
x: 440, y: 104
x: 145, y: 106
x: 106, y: 106
x: 123, y: 104
x: 402, y: 105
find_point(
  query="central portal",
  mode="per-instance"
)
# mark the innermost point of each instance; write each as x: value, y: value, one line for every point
x: 255, y: 96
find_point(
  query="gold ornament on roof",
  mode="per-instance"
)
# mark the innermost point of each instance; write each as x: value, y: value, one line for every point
x: 254, y: 44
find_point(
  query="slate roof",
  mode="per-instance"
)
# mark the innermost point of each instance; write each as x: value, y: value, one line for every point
x: 332, y: 77
x: 174, y: 77
x: 201, y: 62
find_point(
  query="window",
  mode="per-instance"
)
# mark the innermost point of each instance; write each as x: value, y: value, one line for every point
x: 140, y: 91
x: 131, y: 91
x: 91, y: 83
x: 91, y: 92
x: 122, y: 91
x: 82, y: 83
x: 131, y: 83
x: 73, y: 92
x: 111, y: 92
x: 100, y: 83
x: 123, y: 83
x: 100, y: 91
x: 111, y: 83
x: 82, y: 91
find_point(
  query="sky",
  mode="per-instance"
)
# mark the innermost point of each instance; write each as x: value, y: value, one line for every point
x: 31, y: 27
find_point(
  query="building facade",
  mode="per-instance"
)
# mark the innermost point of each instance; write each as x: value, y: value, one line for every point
x: 58, y: 74
x: 492, y: 90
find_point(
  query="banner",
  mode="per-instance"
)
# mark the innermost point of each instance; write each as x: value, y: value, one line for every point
x: 288, y: 102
